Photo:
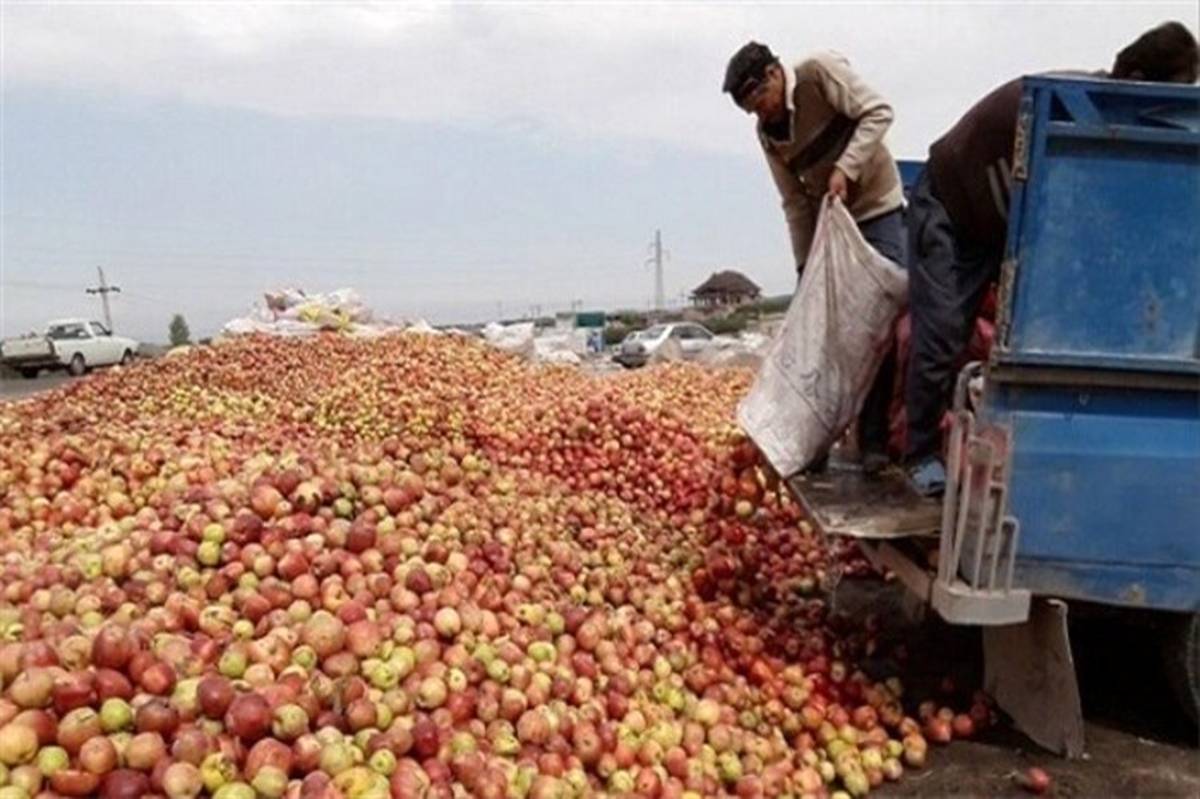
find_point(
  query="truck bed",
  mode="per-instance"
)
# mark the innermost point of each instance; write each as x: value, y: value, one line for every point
x: 28, y: 352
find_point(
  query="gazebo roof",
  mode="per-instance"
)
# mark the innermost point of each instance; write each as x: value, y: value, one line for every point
x: 727, y: 282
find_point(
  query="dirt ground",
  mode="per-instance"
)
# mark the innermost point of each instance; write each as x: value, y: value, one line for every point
x: 1139, y: 741
x: 1119, y: 764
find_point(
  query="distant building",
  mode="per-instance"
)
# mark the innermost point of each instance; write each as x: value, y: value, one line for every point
x: 725, y: 288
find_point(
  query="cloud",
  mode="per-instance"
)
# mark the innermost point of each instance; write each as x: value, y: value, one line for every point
x: 581, y: 72
x: 443, y: 157
x: 571, y: 73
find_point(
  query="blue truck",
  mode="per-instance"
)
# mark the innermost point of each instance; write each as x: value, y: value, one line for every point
x: 1074, y: 458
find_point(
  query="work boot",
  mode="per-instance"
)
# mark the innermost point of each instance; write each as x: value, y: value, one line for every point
x: 874, y: 462
x: 928, y: 476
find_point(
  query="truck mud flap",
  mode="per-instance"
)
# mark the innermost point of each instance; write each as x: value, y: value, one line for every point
x: 1029, y: 671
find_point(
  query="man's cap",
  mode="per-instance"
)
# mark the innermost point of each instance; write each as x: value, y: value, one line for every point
x: 747, y: 67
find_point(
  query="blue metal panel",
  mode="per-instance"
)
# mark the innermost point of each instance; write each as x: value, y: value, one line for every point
x: 1106, y: 485
x: 1132, y: 586
x: 1103, y: 268
x: 909, y: 172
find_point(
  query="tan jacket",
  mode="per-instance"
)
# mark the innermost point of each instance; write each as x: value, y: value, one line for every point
x: 836, y: 120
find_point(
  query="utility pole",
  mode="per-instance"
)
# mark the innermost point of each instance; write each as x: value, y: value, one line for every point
x: 657, y: 260
x: 104, y: 290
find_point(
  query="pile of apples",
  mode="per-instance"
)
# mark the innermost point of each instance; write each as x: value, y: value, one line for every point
x: 419, y: 567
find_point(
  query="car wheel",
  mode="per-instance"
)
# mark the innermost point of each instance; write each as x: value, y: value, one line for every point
x: 127, y: 358
x: 77, y: 366
x: 29, y: 374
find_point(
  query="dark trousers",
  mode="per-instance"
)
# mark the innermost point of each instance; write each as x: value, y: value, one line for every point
x: 948, y: 277
x: 887, y: 235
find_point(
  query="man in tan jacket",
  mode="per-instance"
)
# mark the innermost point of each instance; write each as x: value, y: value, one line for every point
x: 821, y: 129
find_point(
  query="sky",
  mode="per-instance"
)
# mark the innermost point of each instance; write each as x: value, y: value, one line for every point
x: 452, y: 162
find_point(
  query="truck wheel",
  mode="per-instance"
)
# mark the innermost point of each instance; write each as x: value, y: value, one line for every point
x: 127, y: 358
x: 1181, y: 655
x: 29, y: 374
x: 77, y: 365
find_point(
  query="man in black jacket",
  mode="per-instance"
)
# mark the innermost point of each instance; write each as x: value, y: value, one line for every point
x: 958, y: 222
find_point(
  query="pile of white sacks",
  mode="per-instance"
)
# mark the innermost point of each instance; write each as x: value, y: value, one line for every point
x: 574, y: 346
x: 568, y: 347
x: 293, y: 312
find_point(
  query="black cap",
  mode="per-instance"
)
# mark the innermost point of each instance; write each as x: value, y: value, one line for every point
x: 747, y: 67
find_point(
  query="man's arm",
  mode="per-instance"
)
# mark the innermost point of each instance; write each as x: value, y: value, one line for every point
x: 847, y: 93
x: 796, y: 208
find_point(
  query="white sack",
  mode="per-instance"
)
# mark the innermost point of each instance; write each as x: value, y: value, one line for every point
x: 559, y: 356
x: 670, y: 351
x: 516, y: 338
x: 562, y: 347
x: 745, y: 351
x: 290, y: 312
x: 422, y: 327
x: 282, y: 299
x: 837, y: 329
x: 288, y: 328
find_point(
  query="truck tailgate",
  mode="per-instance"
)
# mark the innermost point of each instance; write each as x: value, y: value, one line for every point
x: 27, y: 349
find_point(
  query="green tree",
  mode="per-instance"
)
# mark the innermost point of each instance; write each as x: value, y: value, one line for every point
x: 180, y: 334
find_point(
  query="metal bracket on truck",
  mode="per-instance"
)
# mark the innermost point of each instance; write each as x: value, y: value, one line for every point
x: 976, y: 552
x: 978, y: 544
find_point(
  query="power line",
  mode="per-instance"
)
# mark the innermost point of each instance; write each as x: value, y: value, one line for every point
x: 35, y: 284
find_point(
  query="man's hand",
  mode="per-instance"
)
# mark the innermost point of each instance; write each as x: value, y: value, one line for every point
x: 839, y: 184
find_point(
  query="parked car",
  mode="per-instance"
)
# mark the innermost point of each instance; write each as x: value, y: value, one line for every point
x: 642, y: 345
x: 75, y: 345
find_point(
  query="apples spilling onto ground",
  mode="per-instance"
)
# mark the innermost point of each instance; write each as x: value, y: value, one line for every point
x: 416, y: 566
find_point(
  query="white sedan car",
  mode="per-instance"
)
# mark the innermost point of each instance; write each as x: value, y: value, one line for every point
x: 639, y: 347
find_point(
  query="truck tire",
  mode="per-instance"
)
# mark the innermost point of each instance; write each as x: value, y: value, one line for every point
x: 77, y: 366
x: 29, y: 373
x: 127, y: 358
x: 1181, y: 656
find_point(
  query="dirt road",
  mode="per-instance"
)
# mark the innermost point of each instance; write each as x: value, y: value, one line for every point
x: 18, y: 387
